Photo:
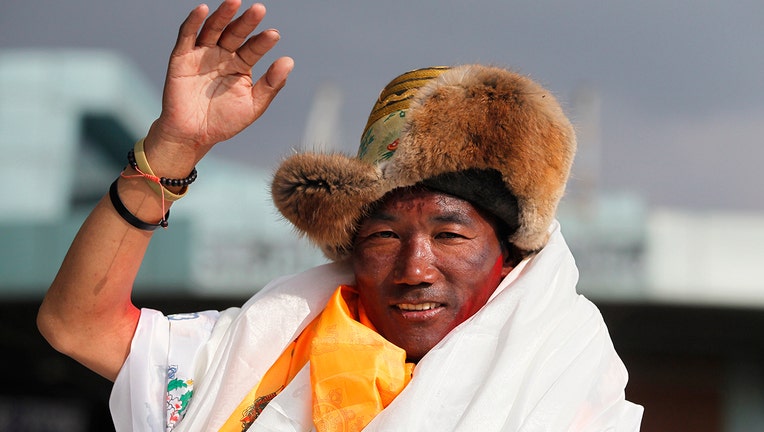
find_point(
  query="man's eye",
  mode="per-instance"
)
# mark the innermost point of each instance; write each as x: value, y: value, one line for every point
x: 449, y: 235
x: 384, y: 234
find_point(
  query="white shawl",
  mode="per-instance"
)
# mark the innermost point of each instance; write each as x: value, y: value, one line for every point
x: 536, y: 357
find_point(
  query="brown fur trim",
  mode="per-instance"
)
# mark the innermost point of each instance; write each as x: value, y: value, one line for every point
x: 324, y: 196
x: 483, y: 117
x: 469, y: 118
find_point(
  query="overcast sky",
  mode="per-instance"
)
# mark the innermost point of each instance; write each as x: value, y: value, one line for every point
x: 681, y: 83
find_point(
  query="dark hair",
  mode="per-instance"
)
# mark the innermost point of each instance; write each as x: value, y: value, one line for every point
x: 482, y: 187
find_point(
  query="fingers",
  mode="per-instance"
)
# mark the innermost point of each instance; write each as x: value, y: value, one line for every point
x: 217, y: 23
x: 188, y: 30
x: 219, y: 30
x: 257, y: 46
x: 239, y: 30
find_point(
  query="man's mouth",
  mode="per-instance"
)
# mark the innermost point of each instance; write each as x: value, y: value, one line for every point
x: 418, y: 306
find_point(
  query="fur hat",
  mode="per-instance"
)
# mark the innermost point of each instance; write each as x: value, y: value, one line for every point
x: 484, y: 134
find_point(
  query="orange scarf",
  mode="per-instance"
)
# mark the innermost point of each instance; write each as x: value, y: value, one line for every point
x: 354, y: 372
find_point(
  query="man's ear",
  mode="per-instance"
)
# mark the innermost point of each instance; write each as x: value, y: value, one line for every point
x: 508, y: 266
x: 511, y: 256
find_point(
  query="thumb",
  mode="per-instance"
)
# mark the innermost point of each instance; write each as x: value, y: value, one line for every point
x: 273, y: 80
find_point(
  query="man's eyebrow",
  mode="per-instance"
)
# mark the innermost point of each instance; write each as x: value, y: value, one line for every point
x: 444, y: 217
x: 453, y: 217
x: 382, y: 216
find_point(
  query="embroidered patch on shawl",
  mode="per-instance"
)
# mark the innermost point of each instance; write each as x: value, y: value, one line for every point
x: 254, y: 410
x: 179, y: 393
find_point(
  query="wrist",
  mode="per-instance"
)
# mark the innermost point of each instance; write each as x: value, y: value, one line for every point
x: 170, y: 156
x: 171, y: 189
x: 163, y: 190
x: 137, y: 197
x: 128, y: 216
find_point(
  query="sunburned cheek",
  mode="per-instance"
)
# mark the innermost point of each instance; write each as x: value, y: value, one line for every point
x: 498, y: 267
x: 372, y: 262
x: 483, y: 291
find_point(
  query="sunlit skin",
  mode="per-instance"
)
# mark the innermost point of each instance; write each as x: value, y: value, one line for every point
x: 425, y: 262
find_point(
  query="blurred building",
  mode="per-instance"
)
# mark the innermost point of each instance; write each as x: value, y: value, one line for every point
x: 68, y: 119
x: 680, y: 291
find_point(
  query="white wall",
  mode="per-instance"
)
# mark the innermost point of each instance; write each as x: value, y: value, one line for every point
x: 714, y: 257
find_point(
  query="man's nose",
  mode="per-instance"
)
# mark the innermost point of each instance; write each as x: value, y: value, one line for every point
x: 415, y: 263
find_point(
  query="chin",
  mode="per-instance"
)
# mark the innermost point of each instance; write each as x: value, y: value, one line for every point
x: 416, y: 354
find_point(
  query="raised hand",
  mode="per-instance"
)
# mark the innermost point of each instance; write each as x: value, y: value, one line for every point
x: 209, y: 96
x: 209, y: 93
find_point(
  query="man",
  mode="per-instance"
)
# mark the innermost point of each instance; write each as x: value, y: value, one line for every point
x: 450, y: 303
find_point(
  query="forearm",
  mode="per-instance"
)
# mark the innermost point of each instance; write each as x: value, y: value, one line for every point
x: 87, y: 312
x: 209, y: 96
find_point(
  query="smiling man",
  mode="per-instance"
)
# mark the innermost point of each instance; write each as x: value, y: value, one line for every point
x: 425, y: 262
x: 450, y: 301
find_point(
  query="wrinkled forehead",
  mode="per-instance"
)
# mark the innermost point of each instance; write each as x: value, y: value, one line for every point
x: 412, y: 193
x: 450, y: 207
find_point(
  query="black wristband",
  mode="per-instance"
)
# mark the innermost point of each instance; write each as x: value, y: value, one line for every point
x: 130, y: 218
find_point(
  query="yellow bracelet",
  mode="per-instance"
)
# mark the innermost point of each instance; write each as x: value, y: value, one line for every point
x: 144, y: 168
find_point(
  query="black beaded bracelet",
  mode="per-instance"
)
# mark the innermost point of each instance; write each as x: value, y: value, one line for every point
x: 164, y: 181
x: 130, y: 218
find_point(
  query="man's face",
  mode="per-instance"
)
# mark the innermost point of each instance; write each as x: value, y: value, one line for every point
x: 424, y: 262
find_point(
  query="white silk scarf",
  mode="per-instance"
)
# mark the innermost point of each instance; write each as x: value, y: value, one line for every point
x: 536, y: 357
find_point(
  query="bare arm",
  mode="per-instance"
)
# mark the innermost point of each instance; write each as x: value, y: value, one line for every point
x: 209, y: 96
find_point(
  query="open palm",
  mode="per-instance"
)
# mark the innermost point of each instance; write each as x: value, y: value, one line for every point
x: 209, y: 93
